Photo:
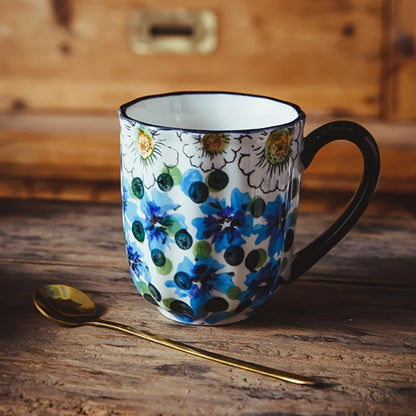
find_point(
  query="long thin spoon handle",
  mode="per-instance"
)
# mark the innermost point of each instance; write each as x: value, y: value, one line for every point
x: 233, y: 362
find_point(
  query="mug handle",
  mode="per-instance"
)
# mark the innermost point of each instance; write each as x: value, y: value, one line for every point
x: 352, y: 132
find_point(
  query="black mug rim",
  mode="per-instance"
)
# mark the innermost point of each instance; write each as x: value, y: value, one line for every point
x: 123, y: 111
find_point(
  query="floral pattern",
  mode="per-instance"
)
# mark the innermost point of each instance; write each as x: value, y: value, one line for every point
x: 269, y: 157
x: 145, y: 151
x: 160, y: 222
x: 210, y: 150
x: 261, y: 284
x: 274, y: 227
x: 225, y: 224
x: 137, y: 265
x: 209, y: 218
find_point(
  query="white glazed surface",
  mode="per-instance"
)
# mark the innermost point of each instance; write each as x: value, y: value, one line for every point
x: 209, y: 217
x: 214, y: 112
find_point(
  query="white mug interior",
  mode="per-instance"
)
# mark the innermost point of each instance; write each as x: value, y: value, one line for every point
x: 211, y: 111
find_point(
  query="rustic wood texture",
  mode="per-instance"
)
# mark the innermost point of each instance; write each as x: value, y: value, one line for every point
x: 77, y: 157
x: 75, y: 55
x: 400, y: 64
x: 350, y: 320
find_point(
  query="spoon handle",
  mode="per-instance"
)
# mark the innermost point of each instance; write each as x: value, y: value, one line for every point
x: 233, y: 362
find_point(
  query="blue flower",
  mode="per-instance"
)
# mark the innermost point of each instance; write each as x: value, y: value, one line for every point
x: 124, y: 197
x: 137, y: 266
x: 199, y: 280
x: 262, y: 283
x: 275, y: 226
x: 161, y: 221
x: 225, y: 224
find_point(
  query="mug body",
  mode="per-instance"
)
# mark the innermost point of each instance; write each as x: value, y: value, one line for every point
x: 210, y: 190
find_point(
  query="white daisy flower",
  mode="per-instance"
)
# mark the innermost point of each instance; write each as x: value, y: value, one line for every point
x: 210, y: 150
x: 270, y: 154
x: 145, y: 153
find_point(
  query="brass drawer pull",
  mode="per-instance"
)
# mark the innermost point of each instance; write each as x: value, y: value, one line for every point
x: 179, y: 31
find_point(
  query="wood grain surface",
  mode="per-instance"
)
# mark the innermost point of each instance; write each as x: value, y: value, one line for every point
x: 400, y: 64
x: 349, y: 321
x: 74, y: 55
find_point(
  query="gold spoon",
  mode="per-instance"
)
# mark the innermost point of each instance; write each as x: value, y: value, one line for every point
x: 69, y: 306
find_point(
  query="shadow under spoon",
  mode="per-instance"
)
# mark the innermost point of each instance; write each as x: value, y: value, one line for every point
x: 72, y: 307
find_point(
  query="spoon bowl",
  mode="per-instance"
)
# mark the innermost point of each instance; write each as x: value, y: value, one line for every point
x: 65, y: 305
x: 72, y: 307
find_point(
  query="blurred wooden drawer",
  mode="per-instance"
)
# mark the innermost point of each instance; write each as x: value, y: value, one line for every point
x: 76, y: 55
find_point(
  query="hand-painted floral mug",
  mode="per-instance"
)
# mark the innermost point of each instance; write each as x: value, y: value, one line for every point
x: 210, y: 193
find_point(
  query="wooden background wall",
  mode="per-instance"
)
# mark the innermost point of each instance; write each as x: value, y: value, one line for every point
x: 67, y: 65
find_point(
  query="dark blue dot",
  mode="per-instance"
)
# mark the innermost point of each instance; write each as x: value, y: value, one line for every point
x: 158, y: 257
x: 294, y: 188
x: 243, y: 305
x: 138, y: 231
x: 182, y: 280
x: 150, y: 299
x: 289, y: 238
x: 183, y: 239
x: 218, y: 180
x: 198, y: 192
x: 137, y: 187
x: 234, y: 255
x: 155, y: 293
x: 165, y: 182
x: 258, y: 207
x: 252, y: 259
x: 216, y: 304
x: 182, y: 309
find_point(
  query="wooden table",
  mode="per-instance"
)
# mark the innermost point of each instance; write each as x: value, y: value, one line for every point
x: 350, y: 321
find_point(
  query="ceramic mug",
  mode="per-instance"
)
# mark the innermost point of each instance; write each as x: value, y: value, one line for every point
x: 210, y: 194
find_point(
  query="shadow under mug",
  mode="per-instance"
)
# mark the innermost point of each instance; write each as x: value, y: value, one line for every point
x: 210, y: 193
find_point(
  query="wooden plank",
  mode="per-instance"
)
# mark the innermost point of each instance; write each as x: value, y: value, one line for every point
x: 357, y: 336
x: 90, y: 235
x: 360, y: 340
x: 400, y: 67
x: 324, y: 55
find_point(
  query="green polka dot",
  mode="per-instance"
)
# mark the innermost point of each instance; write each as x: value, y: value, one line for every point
x: 294, y: 218
x: 168, y: 301
x: 202, y: 250
x: 175, y: 174
x: 255, y: 259
x: 143, y: 288
x: 283, y: 265
x: 234, y: 292
x: 262, y: 259
x: 173, y: 227
x: 166, y: 268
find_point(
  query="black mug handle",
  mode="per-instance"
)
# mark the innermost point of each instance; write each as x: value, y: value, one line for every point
x: 352, y: 132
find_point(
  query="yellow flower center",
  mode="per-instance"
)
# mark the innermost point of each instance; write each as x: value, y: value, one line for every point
x: 214, y: 143
x: 277, y: 149
x: 145, y: 144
